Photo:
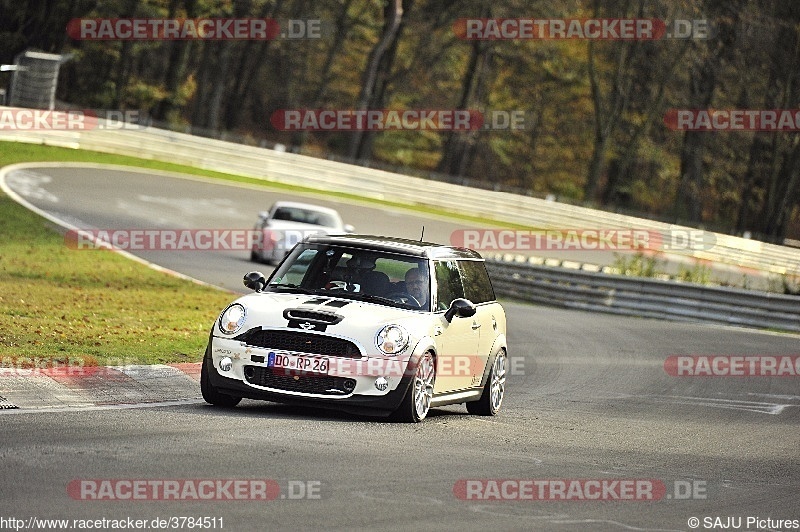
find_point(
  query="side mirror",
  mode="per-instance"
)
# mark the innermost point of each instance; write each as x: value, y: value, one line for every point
x: 255, y: 281
x: 349, y: 228
x: 462, y: 308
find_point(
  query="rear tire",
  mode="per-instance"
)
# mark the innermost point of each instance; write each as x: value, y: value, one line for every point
x: 210, y: 392
x: 493, y: 391
x: 417, y: 402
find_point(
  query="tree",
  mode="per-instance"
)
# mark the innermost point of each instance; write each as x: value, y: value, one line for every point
x: 379, y: 64
x: 706, y: 62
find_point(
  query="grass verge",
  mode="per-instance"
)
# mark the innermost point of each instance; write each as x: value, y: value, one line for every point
x: 59, y: 306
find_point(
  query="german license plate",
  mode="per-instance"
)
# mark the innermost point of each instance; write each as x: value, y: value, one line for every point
x: 298, y: 363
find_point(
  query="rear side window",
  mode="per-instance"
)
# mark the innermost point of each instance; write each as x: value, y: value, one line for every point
x: 448, y: 283
x: 477, y: 286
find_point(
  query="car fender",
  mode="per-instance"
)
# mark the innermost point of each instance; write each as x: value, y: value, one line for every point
x: 424, y: 345
x: 498, y: 345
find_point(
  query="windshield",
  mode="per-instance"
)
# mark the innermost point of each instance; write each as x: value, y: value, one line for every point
x: 367, y: 275
x: 305, y: 216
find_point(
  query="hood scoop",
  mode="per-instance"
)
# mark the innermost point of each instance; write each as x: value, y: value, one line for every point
x: 316, y: 317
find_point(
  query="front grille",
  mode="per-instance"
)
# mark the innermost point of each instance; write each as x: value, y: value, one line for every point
x: 298, y: 382
x: 300, y: 342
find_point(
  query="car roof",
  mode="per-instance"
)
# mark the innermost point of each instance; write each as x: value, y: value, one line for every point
x: 390, y: 244
x: 308, y: 206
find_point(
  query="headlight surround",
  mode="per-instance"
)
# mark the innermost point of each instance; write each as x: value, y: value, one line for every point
x: 232, y: 318
x: 392, y: 339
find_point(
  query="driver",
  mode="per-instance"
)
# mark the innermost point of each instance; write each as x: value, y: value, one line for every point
x: 417, y: 285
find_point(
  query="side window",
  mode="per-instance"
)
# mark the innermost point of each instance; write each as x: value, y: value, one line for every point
x: 448, y: 283
x: 395, y: 269
x: 477, y: 286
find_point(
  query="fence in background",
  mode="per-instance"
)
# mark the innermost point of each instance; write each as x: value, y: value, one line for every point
x: 271, y: 165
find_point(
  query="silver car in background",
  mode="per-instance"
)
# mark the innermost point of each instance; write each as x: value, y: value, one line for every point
x: 287, y: 223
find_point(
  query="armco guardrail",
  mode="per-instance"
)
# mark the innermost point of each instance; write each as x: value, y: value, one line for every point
x: 651, y: 298
x: 263, y: 163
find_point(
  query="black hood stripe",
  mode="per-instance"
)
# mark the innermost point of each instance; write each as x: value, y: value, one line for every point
x: 337, y: 303
x: 316, y: 301
x: 325, y: 301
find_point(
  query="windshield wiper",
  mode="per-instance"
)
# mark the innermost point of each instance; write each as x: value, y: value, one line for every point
x: 379, y: 299
x: 292, y: 286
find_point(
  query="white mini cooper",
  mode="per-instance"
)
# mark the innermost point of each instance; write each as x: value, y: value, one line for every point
x: 365, y: 324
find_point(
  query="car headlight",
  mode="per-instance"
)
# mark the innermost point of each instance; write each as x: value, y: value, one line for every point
x: 391, y: 339
x: 232, y: 318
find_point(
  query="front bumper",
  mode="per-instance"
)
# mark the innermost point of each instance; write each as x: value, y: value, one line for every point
x: 350, y: 385
x: 268, y: 255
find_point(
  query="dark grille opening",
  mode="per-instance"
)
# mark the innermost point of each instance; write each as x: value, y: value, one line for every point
x: 300, y: 342
x: 315, y: 316
x: 298, y: 382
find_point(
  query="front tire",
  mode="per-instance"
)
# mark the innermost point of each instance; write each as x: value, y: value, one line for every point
x: 417, y: 402
x: 493, y: 391
x: 210, y: 392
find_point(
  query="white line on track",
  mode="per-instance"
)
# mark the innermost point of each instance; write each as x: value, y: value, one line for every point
x: 81, y: 408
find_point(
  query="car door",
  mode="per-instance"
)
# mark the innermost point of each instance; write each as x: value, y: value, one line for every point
x: 488, y: 314
x: 457, y: 340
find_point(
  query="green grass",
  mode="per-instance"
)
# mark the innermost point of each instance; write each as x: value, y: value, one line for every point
x: 61, y: 306
x: 637, y: 265
x: 640, y: 265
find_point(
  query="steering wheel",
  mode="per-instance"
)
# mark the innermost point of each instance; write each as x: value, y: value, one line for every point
x: 341, y: 285
x: 404, y: 298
